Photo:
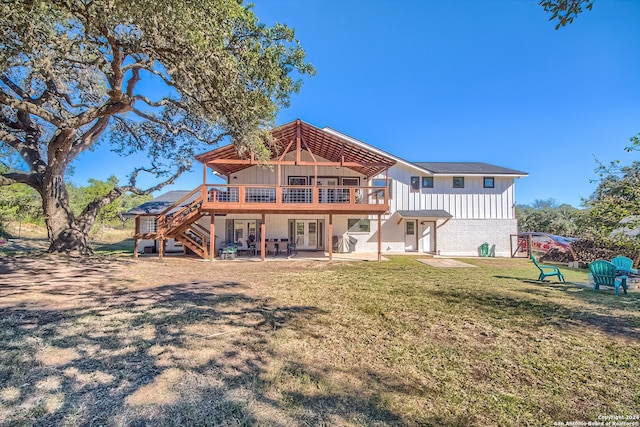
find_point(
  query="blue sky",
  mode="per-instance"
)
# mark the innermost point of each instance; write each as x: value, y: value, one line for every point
x: 467, y: 80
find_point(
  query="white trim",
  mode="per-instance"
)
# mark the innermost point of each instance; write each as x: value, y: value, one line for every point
x: 488, y: 175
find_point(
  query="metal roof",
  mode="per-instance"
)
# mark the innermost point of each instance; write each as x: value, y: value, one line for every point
x: 425, y: 213
x: 160, y: 203
x: 467, y: 168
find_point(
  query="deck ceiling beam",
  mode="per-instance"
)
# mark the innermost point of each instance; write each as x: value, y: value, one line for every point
x: 304, y: 142
x: 294, y: 163
x: 286, y: 150
x: 296, y: 136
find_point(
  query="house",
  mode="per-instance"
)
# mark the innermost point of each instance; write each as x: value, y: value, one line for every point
x: 325, y: 191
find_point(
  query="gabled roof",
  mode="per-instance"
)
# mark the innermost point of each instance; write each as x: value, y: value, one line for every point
x: 323, y: 143
x: 467, y: 168
x: 160, y: 203
x: 335, y: 146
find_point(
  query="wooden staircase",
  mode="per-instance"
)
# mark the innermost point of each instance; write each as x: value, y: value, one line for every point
x: 179, y: 222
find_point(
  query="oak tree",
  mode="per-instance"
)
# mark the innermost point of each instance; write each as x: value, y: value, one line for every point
x: 161, y: 78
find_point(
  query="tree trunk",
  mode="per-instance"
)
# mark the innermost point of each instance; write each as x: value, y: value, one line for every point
x: 66, y: 233
x: 70, y: 241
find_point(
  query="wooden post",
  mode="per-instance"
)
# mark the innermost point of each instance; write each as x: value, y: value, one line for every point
x: 263, y: 242
x: 298, y: 141
x: 204, y: 174
x: 386, y: 187
x: 279, y: 176
x: 212, y: 238
x: 573, y: 253
x: 379, y: 237
x: 330, y: 237
x: 161, y: 249
x: 135, y: 238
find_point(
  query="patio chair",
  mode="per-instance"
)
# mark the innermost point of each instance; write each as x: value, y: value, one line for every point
x: 547, y: 271
x: 229, y: 251
x: 624, y: 264
x: 604, y: 273
x: 270, y: 246
x: 292, y: 247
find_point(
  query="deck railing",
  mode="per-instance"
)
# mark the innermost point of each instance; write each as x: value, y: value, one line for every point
x: 272, y: 195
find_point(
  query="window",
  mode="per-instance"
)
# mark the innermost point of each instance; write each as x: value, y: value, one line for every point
x: 415, y: 183
x: 297, y: 180
x: 351, y: 182
x: 382, y: 183
x: 489, y: 182
x: 410, y: 227
x: 148, y: 224
x: 458, y: 182
x: 358, y: 225
x: 427, y: 182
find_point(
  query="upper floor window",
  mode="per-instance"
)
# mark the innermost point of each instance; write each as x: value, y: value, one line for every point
x: 383, y: 183
x: 297, y: 180
x: 415, y: 183
x: 458, y: 182
x: 427, y: 182
x: 351, y: 181
x: 489, y: 182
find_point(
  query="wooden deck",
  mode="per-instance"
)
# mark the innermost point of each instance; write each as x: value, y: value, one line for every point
x: 179, y: 221
x: 293, y: 199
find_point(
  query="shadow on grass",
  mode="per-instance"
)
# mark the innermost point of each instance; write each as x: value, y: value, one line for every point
x: 537, y: 312
x: 551, y: 283
x: 123, y: 247
x: 76, y: 352
x: 576, y: 289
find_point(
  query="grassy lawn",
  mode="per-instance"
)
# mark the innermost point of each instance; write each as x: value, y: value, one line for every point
x: 117, y: 341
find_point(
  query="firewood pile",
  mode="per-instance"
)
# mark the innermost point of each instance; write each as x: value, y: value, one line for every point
x: 556, y: 255
x: 586, y: 251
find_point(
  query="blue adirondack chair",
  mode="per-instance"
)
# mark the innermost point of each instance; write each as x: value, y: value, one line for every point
x: 604, y: 273
x: 624, y: 264
x: 547, y: 270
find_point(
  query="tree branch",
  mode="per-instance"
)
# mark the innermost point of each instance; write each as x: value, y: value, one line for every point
x: 176, y: 130
x: 14, y: 87
x: 162, y: 103
x: 131, y: 84
x: 11, y: 124
x: 29, y: 153
x: 52, y: 89
x: 113, y: 106
x: 134, y: 175
x: 117, y: 75
x: 30, y: 108
x: 89, y: 138
x: 19, y: 178
x: 92, y: 209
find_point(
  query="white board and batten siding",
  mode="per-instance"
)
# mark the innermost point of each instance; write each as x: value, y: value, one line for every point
x: 471, y: 202
x: 479, y: 214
